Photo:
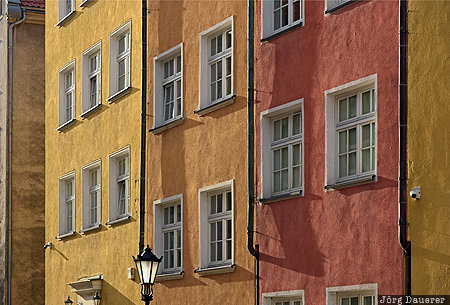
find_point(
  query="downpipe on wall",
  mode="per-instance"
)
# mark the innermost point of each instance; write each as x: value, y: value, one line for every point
x: 402, y: 181
x: 10, y: 100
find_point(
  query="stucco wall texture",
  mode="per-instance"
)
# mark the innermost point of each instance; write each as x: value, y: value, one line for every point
x: 347, y: 236
x: 428, y: 144
x: 202, y: 151
x: 28, y: 165
x: 115, y: 125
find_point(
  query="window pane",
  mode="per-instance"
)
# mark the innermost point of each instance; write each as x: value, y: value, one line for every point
x: 93, y: 63
x: 213, y: 231
x: 365, y: 136
x: 296, y: 154
x: 366, y: 160
x: 219, y: 230
x: 178, y: 238
x: 284, y: 128
x: 213, y: 92
x: 219, y: 43
x: 166, y: 216
x: 179, y: 213
x: 213, y: 73
x: 228, y: 39
x: 354, y: 301
x: 166, y: 241
x: 276, y: 159
x: 276, y: 4
x: 352, y: 163
x: 219, y: 89
x: 172, y: 214
x: 373, y: 99
x: 213, y: 204
x: 276, y: 19
x: 286, y: 303
x: 296, y: 124
x: 366, y: 102
x: 344, y: 301
x: 213, y: 252
x: 228, y: 201
x: 297, y: 302
x: 373, y: 158
x: 166, y: 69
x: 229, y: 249
x: 219, y: 203
x: 368, y: 300
x: 228, y: 236
x: 342, y: 166
x: 296, y: 8
x: 178, y: 258
x: 342, y: 110
x: 219, y: 251
x: 219, y: 70
x: 122, y: 74
x: 342, y: 142
x: 178, y: 64
x: 276, y: 130
x: 296, y: 176
x: 276, y: 182
x: 284, y: 13
x: 171, y: 67
x: 352, y: 139
x: 213, y: 47
x: 284, y: 180
x: 352, y: 106
x: 122, y: 43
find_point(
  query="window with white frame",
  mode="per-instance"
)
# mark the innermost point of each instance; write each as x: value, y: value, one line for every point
x: 332, y: 5
x: 363, y: 294
x: 351, y: 132
x: 66, y: 7
x: 120, y: 50
x: 67, y: 204
x: 282, y: 150
x: 216, y: 225
x: 168, y: 90
x: 279, y: 15
x: 67, y: 93
x: 216, y: 64
x: 92, y: 66
x: 119, y: 185
x: 91, y: 178
x: 291, y: 297
x: 168, y: 235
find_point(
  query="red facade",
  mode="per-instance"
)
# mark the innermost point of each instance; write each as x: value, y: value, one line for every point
x: 345, y: 235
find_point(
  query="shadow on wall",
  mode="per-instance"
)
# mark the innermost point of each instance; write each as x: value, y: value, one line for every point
x: 111, y: 295
x: 292, y: 243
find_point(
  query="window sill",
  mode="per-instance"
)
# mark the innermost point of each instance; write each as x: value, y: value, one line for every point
x: 215, y: 270
x: 165, y: 126
x: 338, y: 7
x: 90, y: 229
x: 65, y: 18
x: 66, y: 235
x: 65, y: 125
x: 282, y: 32
x: 118, y: 95
x: 352, y: 182
x: 90, y: 110
x: 276, y: 198
x: 120, y: 220
x: 169, y: 276
x: 225, y: 101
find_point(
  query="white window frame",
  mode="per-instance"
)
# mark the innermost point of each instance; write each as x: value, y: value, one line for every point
x: 159, y: 228
x: 115, y: 181
x: 87, y: 191
x: 333, y: 5
x: 204, y: 228
x: 64, y: 91
x: 160, y: 83
x: 63, y: 9
x: 206, y: 61
x: 334, y: 294
x: 267, y: 17
x: 269, y: 298
x: 115, y: 58
x: 64, y: 201
x: 267, y: 146
x: 333, y: 126
x: 88, y: 75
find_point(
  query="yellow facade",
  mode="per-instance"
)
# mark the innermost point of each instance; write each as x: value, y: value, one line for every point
x: 114, y: 125
x: 199, y: 150
x: 429, y: 144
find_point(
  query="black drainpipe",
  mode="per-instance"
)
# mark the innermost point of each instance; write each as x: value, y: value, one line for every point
x: 143, y: 126
x: 251, y: 148
x: 402, y: 191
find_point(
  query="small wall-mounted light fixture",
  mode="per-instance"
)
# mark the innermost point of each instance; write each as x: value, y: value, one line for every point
x: 97, y: 299
x: 131, y: 273
x: 68, y: 301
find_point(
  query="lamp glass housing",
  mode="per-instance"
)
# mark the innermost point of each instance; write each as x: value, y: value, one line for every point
x: 97, y: 299
x: 147, y: 266
x: 68, y: 301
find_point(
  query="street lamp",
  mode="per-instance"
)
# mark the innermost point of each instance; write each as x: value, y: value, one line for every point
x: 147, y: 265
x: 68, y: 301
x: 96, y: 298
